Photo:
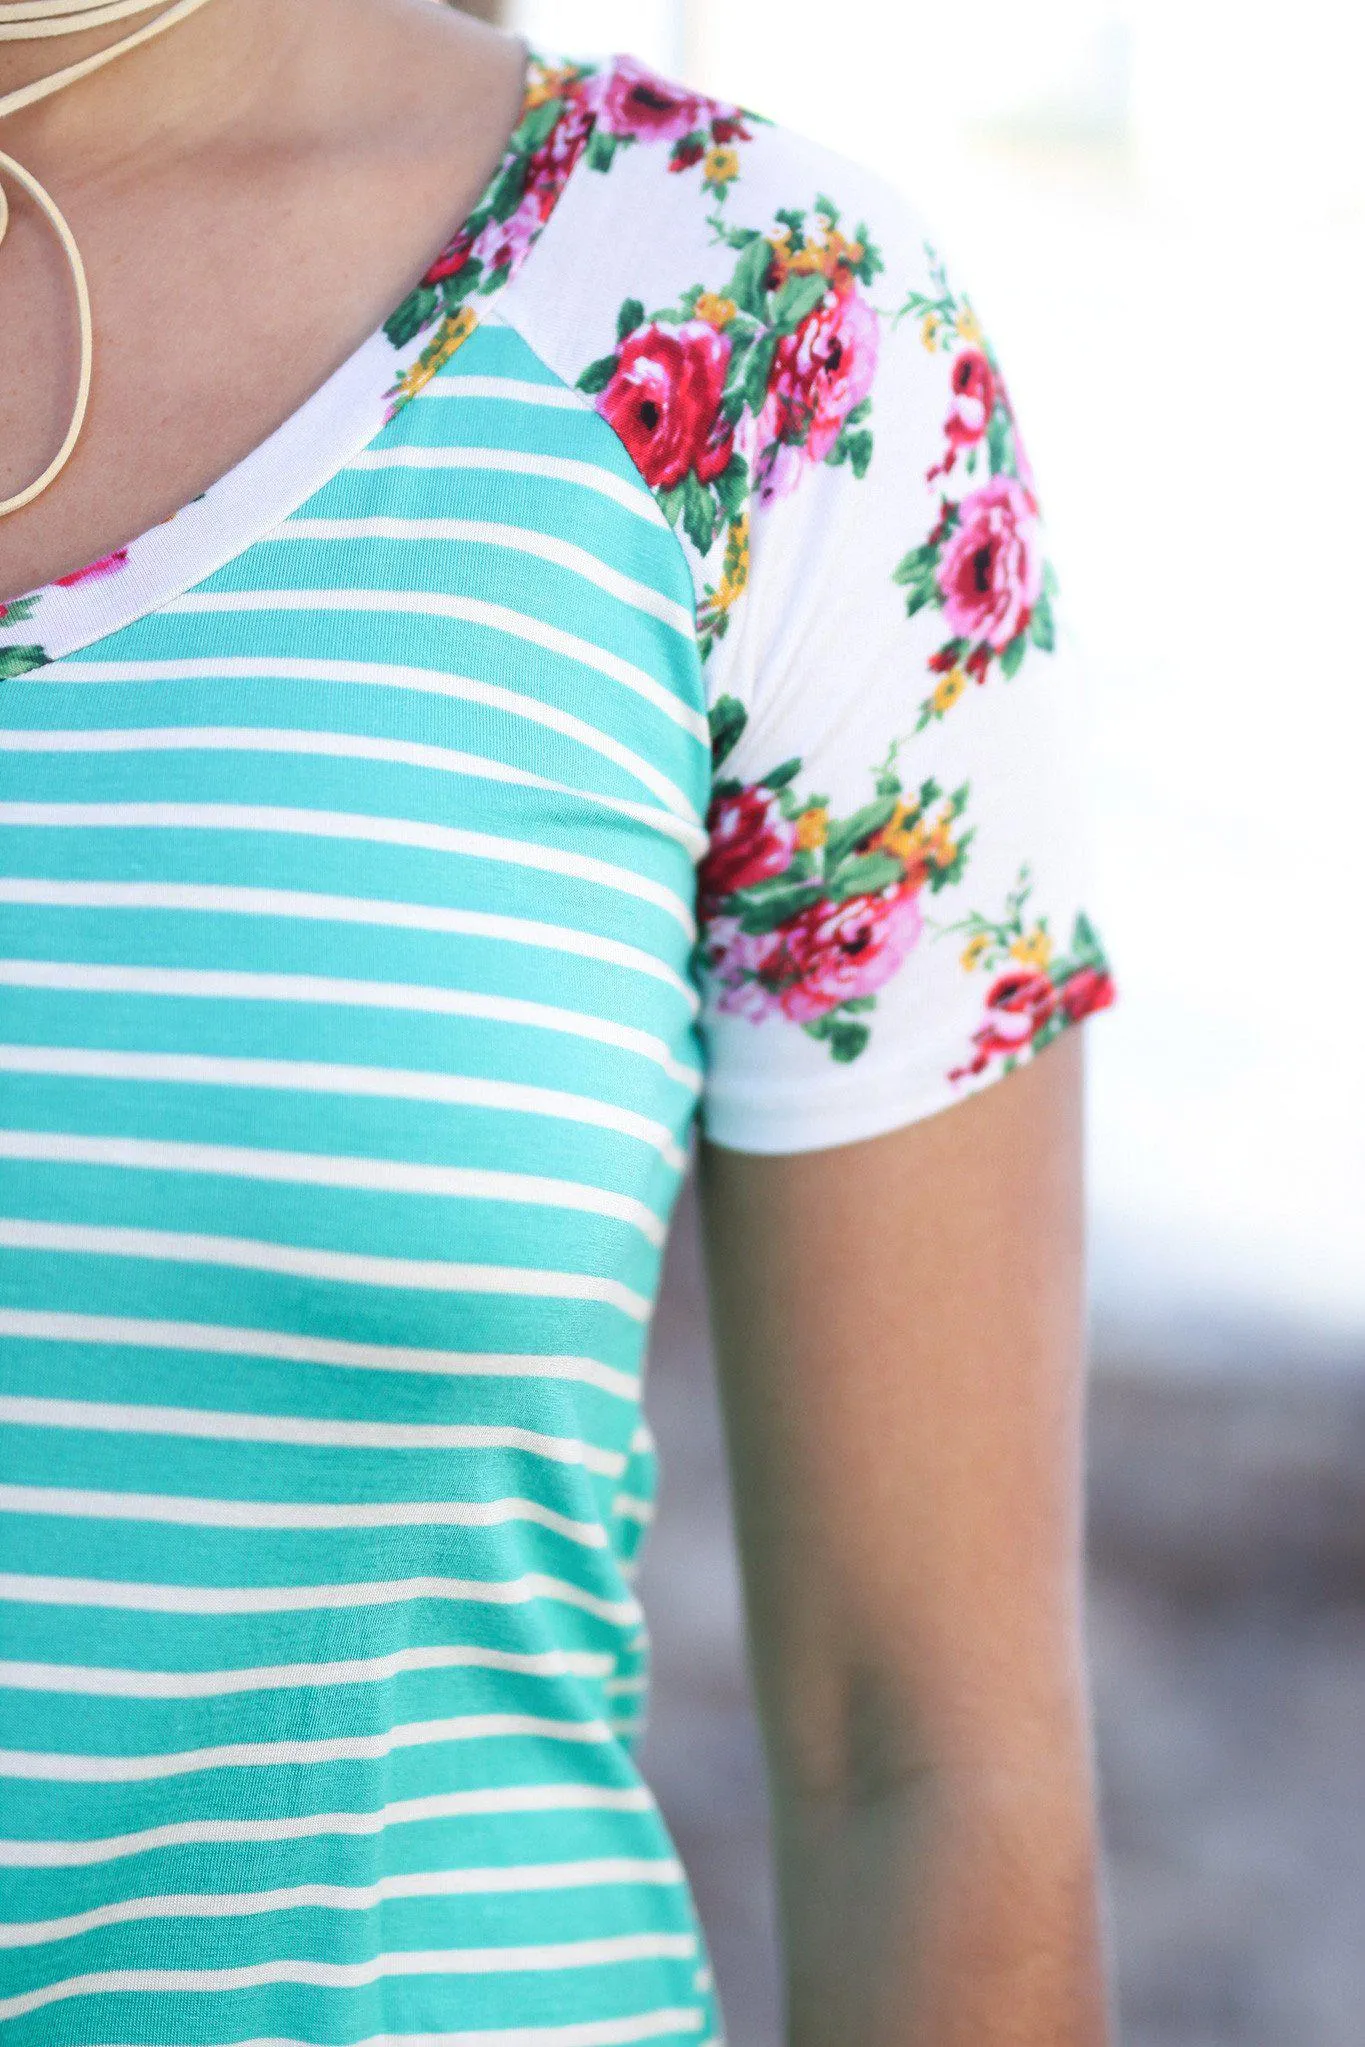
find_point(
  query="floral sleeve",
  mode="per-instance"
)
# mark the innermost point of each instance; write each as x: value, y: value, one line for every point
x: 892, y: 908
x: 891, y: 912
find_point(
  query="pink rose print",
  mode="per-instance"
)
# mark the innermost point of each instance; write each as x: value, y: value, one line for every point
x: 737, y: 960
x: 751, y: 841
x: 990, y: 574
x: 663, y: 399
x: 819, y: 374
x: 107, y: 565
x: 632, y: 101
x: 829, y: 954
x: 806, y: 916
x: 504, y: 244
x: 838, y: 951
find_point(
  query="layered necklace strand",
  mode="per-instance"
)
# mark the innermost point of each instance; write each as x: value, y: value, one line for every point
x: 23, y: 21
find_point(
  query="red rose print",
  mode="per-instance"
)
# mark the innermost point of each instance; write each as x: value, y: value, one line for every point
x: 973, y: 399
x: 664, y: 402
x: 819, y: 374
x: 973, y: 402
x: 686, y: 153
x: 834, y: 951
x: 1021, y: 1003
x: 107, y: 565
x: 751, y: 841
x: 991, y: 572
x: 503, y: 244
x: 547, y: 170
x: 634, y: 101
x: 1089, y: 990
x: 453, y: 257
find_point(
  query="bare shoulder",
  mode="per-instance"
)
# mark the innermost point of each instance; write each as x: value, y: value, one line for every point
x: 434, y: 81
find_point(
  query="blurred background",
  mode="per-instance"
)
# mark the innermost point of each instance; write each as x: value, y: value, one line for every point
x: 1160, y: 210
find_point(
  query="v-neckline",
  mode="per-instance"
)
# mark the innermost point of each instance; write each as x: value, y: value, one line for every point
x: 341, y: 418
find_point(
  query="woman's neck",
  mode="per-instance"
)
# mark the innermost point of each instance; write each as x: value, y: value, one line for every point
x: 204, y: 73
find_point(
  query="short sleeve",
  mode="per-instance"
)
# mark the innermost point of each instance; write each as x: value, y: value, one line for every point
x: 893, y: 906
x: 891, y: 910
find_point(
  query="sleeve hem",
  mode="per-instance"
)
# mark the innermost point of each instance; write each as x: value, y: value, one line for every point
x: 802, y: 1118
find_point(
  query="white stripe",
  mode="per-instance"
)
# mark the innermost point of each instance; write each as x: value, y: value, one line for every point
x: 202, y: 1600
x: 393, y: 1176
x: 518, y: 389
x: 479, y: 611
x: 343, y: 1268
x: 384, y: 675
x: 403, y: 1812
x: 643, y: 1438
x: 338, y: 746
x: 508, y: 462
x: 195, y: 1069
x: 621, y: 1686
x: 652, y: 2025
x: 32, y: 1766
x: 525, y: 540
x: 278, y: 902
x: 342, y: 825
x: 179, y: 1511
x: 631, y: 1508
x: 23, y: 1410
x: 231, y: 985
x: 107, y: 1682
x: 444, y: 1883
x: 48, y: 1326
x: 578, y: 1954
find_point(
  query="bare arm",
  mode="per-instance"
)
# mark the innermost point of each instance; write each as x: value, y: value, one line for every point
x: 899, y: 1336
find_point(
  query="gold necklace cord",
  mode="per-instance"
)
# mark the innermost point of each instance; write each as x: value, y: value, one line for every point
x: 27, y: 21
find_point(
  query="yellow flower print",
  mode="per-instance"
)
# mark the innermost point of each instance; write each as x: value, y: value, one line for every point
x: 1034, y: 949
x: 913, y: 838
x: 720, y: 166
x: 968, y: 326
x: 941, y: 846
x: 896, y: 836
x: 826, y: 256
x: 717, y: 312
x: 928, y: 331
x: 735, y: 571
x: 713, y: 611
x: 547, y: 82
x: 812, y: 828
x: 974, y: 950
x: 948, y: 691
x: 449, y: 338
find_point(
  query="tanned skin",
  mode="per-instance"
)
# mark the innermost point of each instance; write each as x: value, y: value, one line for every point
x: 253, y: 193
x: 899, y: 1332
x: 899, y: 1320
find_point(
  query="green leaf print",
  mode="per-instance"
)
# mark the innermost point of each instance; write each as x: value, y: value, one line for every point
x: 798, y: 296
x: 417, y: 311
x: 698, y: 513
x: 16, y: 661
x: 728, y: 719
x: 747, y: 284
x: 598, y: 375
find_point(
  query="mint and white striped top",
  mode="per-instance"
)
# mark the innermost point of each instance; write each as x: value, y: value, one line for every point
x: 354, y: 1014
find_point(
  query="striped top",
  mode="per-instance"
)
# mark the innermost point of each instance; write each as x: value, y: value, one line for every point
x: 354, y: 1021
